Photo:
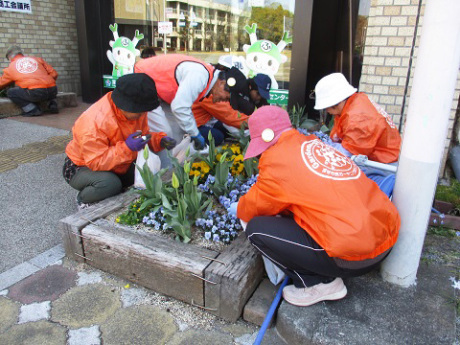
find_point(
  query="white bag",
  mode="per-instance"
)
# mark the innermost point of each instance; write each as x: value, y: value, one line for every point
x: 153, y: 162
x: 181, y: 148
x: 275, y: 274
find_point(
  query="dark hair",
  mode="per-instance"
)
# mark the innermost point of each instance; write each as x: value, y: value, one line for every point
x: 223, y: 76
x: 148, y: 52
x: 252, y: 84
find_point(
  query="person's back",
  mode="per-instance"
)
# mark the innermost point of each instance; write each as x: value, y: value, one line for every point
x: 34, y: 79
x: 365, y: 128
x: 328, y: 195
x: 361, y: 127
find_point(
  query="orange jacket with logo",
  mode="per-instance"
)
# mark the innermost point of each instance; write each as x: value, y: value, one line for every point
x: 162, y: 69
x: 99, y: 136
x: 345, y: 212
x: 29, y: 72
x: 365, y: 128
x: 205, y: 110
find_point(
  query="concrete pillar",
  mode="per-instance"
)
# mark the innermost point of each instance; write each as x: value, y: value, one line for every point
x: 435, y: 76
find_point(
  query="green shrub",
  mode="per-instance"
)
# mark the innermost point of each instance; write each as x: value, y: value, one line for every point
x: 449, y: 193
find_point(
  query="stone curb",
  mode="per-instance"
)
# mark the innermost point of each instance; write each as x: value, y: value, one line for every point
x: 26, y: 269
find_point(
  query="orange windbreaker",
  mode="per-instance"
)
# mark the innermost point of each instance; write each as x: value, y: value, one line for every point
x: 29, y: 72
x: 162, y: 69
x: 365, y: 128
x: 99, y: 136
x: 205, y: 110
x: 345, y: 212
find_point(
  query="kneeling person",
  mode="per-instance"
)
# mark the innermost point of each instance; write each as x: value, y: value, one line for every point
x: 107, y: 137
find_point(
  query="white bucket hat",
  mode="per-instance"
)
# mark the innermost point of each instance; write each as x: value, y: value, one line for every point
x: 331, y: 90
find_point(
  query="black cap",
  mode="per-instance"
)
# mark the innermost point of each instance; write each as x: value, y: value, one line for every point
x: 135, y: 93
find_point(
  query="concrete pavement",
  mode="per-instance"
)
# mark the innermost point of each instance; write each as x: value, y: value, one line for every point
x: 48, y: 299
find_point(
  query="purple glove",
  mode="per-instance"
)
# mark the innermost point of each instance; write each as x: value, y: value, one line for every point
x: 135, y: 142
x: 168, y: 143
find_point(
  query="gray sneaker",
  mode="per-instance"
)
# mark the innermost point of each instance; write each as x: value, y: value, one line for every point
x: 304, y: 297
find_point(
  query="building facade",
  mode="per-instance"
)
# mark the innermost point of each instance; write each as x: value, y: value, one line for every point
x: 49, y: 31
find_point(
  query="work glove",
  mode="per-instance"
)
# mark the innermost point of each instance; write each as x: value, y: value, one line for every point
x: 135, y: 142
x: 198, y: 142
x: 168, y: 143
x: 233, y: 208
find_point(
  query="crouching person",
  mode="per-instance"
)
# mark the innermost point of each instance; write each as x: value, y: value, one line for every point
x: 107, y: 137
x: 312, y: 211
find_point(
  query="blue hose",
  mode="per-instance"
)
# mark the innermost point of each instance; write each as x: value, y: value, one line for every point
x: 270, y: 313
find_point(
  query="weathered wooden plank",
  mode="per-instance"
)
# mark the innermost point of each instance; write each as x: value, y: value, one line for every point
x: 71, y: 226
x: 236, y: 281
x: 157, y: 263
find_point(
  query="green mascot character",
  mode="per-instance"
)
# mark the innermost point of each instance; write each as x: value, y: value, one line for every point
x: 263, y: 56
x: 123, y: 53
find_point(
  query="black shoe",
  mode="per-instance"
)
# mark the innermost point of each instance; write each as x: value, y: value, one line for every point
x: 35, y: 112
x: 53, y: 107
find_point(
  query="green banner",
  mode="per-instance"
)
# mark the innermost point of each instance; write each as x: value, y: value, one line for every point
x: 279, y: 97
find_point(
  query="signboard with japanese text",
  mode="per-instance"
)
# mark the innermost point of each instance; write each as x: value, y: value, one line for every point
x: 165, y: 27
x: 279, y: 97
x: 22, y: 6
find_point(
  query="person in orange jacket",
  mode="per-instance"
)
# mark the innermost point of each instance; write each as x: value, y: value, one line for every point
x: 221, y: 118
x: 107, y: 138
x: 35, y: 82
x: 182, y: 80
x: 361, y: 127
x: 312, y: 211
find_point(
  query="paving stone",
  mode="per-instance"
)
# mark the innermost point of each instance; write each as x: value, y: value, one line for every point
x: 138, y: 325
x: 45, y: 285
x: 239, y: 328
x: 133, y: 296
x: 84, y: 306
x: 9, y: 312
x: 88, y: 278
x: 85, y: 336
x: 35, y: 312
x: 258, y: 305
x: 193, y: 337
x: 34, y: 333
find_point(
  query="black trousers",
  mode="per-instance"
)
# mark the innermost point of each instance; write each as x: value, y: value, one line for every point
x: 294, y: 251
x: 27, y: 98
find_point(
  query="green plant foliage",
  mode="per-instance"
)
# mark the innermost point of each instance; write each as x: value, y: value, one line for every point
x: 449, y: 193
x: 133, y: 215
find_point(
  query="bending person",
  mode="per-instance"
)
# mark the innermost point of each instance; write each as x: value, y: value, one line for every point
x: 361, y: 127
x: 312, y: 212
x: 180, y: 81
x: 34, y: 79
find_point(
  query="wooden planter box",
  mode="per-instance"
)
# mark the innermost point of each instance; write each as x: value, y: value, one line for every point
x: 220, y: 282
x: 452, y: 222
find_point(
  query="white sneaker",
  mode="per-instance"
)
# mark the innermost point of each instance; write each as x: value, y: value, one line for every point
x: 82, y: 205
x: 304, y: 297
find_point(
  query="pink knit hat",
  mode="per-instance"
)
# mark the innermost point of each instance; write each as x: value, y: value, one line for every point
x: 265, y: 127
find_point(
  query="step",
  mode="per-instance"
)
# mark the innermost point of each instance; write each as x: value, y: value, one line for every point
x: 64, y: 100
